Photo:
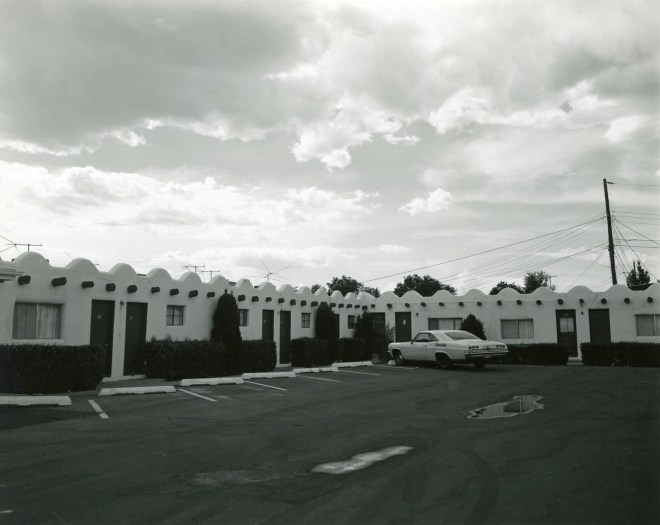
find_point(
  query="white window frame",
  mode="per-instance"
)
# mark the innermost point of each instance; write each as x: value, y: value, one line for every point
x: 243, y: 316
x: 654, y: 325
x: 40, y: 312
x: 506, y: 333
x: 175, y: 315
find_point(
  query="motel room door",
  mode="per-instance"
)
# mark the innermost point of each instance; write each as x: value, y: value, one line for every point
x: 599, y: 326
x: 101, y: 329
x: 566, y: 332
x: 268, y: 325
x: 402, y: 328
x: 136, y: 335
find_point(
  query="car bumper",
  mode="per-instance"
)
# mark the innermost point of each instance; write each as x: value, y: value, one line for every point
x: 485, y: 354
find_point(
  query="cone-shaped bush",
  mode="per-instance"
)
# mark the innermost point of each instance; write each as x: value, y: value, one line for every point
x: 226, y: 330
x: 474, y: 326
x: 324, y: 328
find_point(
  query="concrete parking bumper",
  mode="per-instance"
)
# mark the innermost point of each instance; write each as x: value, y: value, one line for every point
x: 25, y: 401
x: 137, y: 390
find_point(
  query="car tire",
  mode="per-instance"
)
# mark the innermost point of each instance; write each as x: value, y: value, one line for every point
x: 443, y: 361
x: 480, y: 364
x: 399, y: 358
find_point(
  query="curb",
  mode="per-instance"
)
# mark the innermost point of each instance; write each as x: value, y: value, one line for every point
x: 268, y: 375
x: 315, y: 370
x: 137, y: 390
x: 353, y: 364
x: 212, y: 381
x: 25, y: 401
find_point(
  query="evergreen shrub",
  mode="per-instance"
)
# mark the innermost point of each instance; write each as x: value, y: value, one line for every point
x: 50, y: 369
x: 537, y: 354
x: 626, y: 353
x: 353, y: 349
x: 308, y: 352
x: 226, y: 330
x: 474, y: 326
x: 325, y: 328
x: 173, y: 360
x: 258, y: 355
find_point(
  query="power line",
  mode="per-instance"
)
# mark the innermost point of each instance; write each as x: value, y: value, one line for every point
x: 627, y: 184
x: 481, y: 253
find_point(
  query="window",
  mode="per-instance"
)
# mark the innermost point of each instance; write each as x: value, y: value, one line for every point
x: 517, y: 329
x: 648, y: 325
x: 447, y: 323
x: 37, y: 321
x: 306, y: 320
x: 351, y: 321
x: 566, y: 325
x: 242, y: 317
x: 421, y: 338
x: 174, y: 315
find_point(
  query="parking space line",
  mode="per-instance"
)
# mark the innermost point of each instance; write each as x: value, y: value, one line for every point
x: 267, y: 386
x: 197, y: 395
x: 361, y: 373
x: 98, y: 409
x: 319, y: 378
x: 398, y: 367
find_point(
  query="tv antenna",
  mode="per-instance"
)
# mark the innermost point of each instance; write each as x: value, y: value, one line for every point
x: 269, y: 274
x: 210, y: 272
x: 11, y: 244
x: 187, y: 266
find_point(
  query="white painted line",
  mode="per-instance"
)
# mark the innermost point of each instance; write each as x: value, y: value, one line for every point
x: 268, y: 375
x: 137, y: 390
x: 361, y: 373
x: 352, y: 364
x: 212, y: 381
x: 267, y: 386
x: 321, y: 379
x: 98, y: 409
x: 24, y: 401
x: 315, y: 370
x: 398, y: 367
x: 197, y: 395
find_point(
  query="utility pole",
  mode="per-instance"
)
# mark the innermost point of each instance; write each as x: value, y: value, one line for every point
x: 610, y: 241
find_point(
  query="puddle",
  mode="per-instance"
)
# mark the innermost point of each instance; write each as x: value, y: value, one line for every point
x: 520, y: 405
x: 361, y: 461
x: 218, y: 478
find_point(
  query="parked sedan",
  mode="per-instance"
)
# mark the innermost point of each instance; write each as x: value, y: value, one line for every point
x: 446, y: 347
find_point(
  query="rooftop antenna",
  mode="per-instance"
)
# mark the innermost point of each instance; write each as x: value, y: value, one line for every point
x: 210, y: 272
x: 269, y: 274
x: 12, y: 244
x: 187, y: 266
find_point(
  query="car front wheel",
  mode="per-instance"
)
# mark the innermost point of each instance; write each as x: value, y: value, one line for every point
x: 399, y: 358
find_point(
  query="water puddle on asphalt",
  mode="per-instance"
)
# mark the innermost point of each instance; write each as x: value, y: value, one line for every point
x: 520, y: 405
x: 218, y: 478
x: 360, y: 461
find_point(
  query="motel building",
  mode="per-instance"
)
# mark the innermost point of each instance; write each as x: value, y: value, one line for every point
x: 80, y: 305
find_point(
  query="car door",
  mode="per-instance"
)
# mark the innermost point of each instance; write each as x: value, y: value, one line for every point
x: 432, y: 347
x: 417, y: 348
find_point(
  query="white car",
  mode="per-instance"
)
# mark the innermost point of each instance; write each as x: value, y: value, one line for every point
x: 446, y: 347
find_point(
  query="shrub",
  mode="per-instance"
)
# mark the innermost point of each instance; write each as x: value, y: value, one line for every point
x: 258, y: 356
x: 353, y: 349
x: 384, y: 337
x: 325, y: 328
x: 184, y: 359
x: 627, y: 353
x: 307, y: 352
x: 49, y: 369
x: 364, y: 329
x: 537, y: 354
x: 474, y: 326
x: 226, y: 330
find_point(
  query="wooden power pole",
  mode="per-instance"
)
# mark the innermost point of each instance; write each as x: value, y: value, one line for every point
x: 610, y: 241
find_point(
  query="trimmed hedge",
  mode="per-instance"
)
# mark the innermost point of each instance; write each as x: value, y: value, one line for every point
x: 353, y: 349
x: 537, y: 354
x: 258, y: 356
x: 175, y: 360
x: 307, y: 352
x: 50, y: 369
x: 627, y: 353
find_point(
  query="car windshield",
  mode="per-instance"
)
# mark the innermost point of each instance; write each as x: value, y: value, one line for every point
x: 458, y: 336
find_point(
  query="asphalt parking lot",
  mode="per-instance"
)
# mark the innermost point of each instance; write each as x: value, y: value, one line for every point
x: 245, y: 454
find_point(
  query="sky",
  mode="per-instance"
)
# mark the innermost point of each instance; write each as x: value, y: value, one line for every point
x: 316, y: 139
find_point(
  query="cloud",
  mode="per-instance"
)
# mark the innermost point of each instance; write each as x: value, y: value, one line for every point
x: 437, y: 200
x: 393, y: 249
x: 621, y: 128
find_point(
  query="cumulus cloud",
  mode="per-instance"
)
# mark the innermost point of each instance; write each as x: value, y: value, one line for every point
x: 393, y: 249
x: 437, y: 200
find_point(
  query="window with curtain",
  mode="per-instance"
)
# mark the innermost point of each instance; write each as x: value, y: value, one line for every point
x: 648, y: 325
x: 37, y: 321
x: 306, y: 320
x: 174, y: 315
x: 351, y: 321
x: 517, y: 328
x: 445, y: 323
x: 242, y: 317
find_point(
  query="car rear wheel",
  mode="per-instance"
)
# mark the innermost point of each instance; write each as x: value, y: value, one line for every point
x: 443, y: 361
x: 480, y: 364
x: 399, y: 358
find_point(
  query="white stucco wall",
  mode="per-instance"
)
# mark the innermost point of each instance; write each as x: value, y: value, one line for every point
x: 77, y: 303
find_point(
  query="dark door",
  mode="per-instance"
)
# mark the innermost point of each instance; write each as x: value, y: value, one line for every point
x: 403, y: 330
x: 378, y: 319
x: 285, y: 337
x: 268, y: 325
x: 102, y: 329
x: 136, y: 334
x: 599, y: 326
x: 566, y: 333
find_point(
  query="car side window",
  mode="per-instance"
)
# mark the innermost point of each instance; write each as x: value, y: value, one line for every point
x: 432, y: 337
x: 421, y: 338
